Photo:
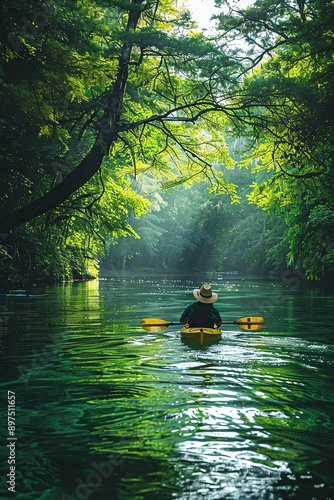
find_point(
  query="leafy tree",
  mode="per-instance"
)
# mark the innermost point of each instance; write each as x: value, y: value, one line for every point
x: 88, y: 92
x: 128, y: 92
x: 192, y: 230
x: 96, y: 97
x: 291, y: 119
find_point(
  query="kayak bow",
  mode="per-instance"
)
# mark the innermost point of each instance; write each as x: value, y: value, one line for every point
x: 200, y: 335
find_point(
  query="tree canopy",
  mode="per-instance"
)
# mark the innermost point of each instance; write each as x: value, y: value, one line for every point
x: 103, y: 97
x: 290, y: 123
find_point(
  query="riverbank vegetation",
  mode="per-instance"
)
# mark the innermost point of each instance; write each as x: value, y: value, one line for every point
x: 131, y: 138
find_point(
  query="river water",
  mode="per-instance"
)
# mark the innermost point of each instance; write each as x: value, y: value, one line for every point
x: 105, y: 410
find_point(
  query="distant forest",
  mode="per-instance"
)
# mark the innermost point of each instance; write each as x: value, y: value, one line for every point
x: 190, y: 229
x: 132, y: 139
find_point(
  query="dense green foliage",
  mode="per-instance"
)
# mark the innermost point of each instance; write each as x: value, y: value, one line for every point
x: 191, y: 230
x: 108, y: 103
x: 291, y: 122
x: 92, y: 97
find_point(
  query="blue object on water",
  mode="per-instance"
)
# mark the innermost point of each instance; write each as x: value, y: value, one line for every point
x: 22, y: 293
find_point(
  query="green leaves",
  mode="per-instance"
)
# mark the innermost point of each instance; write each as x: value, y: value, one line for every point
x: 286, y: 103
x: 96, y: 98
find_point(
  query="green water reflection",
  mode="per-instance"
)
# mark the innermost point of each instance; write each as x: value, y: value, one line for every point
x: 106, y: 410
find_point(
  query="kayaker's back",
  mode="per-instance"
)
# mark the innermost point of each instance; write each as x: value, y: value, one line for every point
x: 202, y: 315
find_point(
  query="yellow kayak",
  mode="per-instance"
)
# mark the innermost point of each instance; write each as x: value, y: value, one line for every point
x: 201, y: 335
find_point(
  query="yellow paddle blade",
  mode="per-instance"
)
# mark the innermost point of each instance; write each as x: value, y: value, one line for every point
x: 154, y: 324
x: 251, y: 323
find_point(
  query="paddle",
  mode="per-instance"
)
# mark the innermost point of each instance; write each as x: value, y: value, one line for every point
x: 251, y: 323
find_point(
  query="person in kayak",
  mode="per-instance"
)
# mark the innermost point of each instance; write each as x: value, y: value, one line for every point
x: 202, y: 313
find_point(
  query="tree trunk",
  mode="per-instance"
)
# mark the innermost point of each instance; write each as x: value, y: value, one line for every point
x: 106, y: 135
x: 61, y: 192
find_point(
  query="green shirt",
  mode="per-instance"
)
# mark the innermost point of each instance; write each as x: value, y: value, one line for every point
x: 200, y: 314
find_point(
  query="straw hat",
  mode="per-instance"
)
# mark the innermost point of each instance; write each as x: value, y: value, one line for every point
x: 205, y: 294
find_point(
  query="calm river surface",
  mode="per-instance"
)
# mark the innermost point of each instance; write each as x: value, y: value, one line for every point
x: 105, y: 410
